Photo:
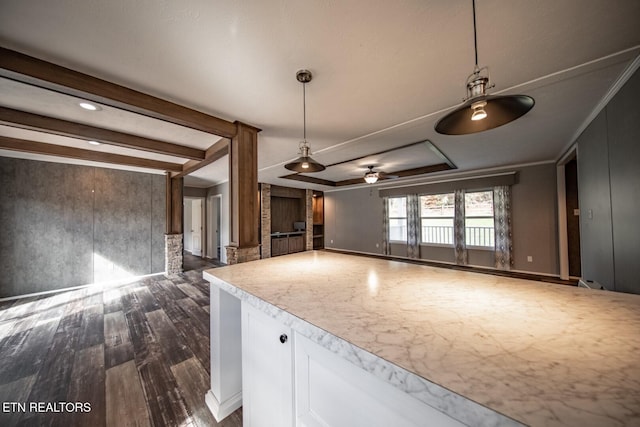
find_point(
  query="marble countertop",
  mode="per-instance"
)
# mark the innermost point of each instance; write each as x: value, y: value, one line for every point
x: 541, y: 354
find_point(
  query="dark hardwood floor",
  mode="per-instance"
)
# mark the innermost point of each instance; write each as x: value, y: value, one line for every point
x: 138, y: 354
x: 192, y: 262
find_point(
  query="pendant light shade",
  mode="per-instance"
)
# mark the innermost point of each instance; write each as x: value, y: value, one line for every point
x: 480, y: 111
x: 498, y: 111
x: 304, y: 163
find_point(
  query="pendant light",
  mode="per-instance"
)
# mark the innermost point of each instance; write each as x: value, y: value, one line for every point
x: 304, y: 163
x: 480, y: 111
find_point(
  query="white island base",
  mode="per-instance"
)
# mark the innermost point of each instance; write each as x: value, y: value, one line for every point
x: 225, y: 395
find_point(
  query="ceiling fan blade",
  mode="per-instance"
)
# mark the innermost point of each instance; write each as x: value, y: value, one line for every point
x: 383, y: 175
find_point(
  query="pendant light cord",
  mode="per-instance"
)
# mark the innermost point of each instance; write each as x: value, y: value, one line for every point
x: 304, y: 113
x: 475, y: 37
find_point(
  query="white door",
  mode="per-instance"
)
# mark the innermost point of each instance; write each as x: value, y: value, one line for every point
x: 196, y: 227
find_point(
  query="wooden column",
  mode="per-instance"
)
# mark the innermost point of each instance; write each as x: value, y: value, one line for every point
x: 244, y: 197
x: 173, y: 237
x: 174, y: 205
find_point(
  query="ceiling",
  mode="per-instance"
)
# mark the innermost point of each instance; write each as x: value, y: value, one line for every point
x: 384, y: 73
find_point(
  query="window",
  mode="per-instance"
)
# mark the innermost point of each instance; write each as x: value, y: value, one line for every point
x: 436, y: 217
x: 398, y: 218
x: 478, y: 221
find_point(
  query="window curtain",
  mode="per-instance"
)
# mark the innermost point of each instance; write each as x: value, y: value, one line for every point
x: 385, y: 226
x: 502, y: 224
x: 413, y: 226
x: 460, y: 246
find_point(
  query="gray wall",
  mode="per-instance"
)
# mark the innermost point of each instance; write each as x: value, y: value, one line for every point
x: 609, y: 192
x: 535, y: 220
x: 353, y: 221
x: 68, y: 225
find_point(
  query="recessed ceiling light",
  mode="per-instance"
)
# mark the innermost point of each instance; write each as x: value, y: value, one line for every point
x: 94, y: 142
x: 89, y: 106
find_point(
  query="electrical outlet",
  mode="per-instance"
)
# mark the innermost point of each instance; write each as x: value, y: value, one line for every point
x: 377, y: 245
x: 529, y: 258
x: 331, y: 240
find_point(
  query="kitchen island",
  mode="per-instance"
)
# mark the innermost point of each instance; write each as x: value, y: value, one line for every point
x: 477, y: 349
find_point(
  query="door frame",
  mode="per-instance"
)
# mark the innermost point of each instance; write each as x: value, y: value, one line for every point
x: 216, y: 245
x: 563, y: 235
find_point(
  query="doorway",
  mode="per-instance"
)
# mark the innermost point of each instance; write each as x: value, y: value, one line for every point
x: 573, y: 217
x: 569, y: 216
x: 193, y: 227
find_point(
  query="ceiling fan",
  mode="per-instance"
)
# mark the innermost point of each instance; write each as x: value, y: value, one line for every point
x: 371, y: 176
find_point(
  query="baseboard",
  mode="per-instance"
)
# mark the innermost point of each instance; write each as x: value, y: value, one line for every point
x: 590, y: 284
x: 222, y: 410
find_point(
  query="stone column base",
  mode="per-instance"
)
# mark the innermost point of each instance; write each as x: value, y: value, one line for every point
x: 236, y: 255
x: 172, y: 254
x: 265, y: 219
x: 309, y: 220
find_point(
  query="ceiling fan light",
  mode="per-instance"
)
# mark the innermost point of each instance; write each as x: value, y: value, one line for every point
x: 371, y: 177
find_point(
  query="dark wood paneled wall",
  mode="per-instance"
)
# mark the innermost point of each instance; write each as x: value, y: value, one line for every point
x: 284, y: 212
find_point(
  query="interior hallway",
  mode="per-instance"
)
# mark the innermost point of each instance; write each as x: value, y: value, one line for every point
x: 138, y: 353
x: 192, y: 262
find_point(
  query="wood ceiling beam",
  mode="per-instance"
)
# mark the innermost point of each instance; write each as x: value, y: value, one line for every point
x: 26, y: 146
x: 32, y: 121
x: 213, y: 153
x: 64, y: 80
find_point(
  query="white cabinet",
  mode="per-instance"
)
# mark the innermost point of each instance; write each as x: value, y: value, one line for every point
x: 289, y: 380
x: 267, y: 370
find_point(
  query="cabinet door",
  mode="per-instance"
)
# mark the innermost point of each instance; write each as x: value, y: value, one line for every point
x: 267, y: 370
x: 296, y: 244
x: 332, y: 392
x: 279, y: 246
